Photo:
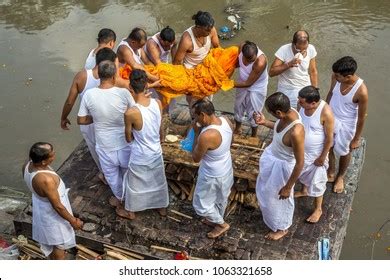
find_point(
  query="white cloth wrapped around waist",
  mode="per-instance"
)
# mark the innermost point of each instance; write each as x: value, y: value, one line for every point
x: 343, y: 135
x: 146, y: 186
x: 211, y: 195
x: 273, y: 176
x: 49, y: 227
x: 314, y: 177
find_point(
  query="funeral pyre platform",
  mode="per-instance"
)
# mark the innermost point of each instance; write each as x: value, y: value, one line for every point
x: 151, y: 236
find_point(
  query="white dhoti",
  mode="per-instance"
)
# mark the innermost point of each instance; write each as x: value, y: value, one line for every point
x: 273, y: 176
x: 146, y: 186
x: 343, y: 135
x: 114, y: 165
x: 88, y: 132
x: 48, y: 249
x: 314, y: 177
x: 211, y: 195
x: 248, y: 102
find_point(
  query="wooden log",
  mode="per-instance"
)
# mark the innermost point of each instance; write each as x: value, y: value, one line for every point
x: 32, y: 253
x: 81, y: 257
x: 242, y: 198
x: 181, y: 214
x: 173, y: 187
x: 174, y: 219
x: 185, y: 175
x: 183, y: 196
x: 184, y: 188
x: 191, y: 196
x: 116, y: 255
x: 88, y: 251
x: 159, y: 248
x: 171, y: 168
x: 231, y: 209
x: 232, y: 194
x: 126, y: 252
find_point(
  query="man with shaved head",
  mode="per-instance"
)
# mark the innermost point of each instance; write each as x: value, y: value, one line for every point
x: 295, y: 65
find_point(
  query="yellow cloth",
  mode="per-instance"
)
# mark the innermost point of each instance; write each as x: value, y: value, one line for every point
x: 205, y: 79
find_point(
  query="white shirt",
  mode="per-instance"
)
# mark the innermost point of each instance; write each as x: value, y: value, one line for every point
x: 294, y: 77
x: 107, y: 108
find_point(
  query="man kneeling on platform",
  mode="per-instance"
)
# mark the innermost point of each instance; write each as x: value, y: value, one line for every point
x: 213, y: 138
x: 144, y: 183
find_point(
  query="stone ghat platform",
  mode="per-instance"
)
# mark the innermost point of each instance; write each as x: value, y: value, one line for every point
x: 178, y: 232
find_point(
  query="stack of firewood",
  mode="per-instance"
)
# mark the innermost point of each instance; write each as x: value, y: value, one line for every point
x: 29, y: 250
x: 181, y: 171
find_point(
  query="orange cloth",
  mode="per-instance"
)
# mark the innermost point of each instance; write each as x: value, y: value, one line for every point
x: 205, y: 79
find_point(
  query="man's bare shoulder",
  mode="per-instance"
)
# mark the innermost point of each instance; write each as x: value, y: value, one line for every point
x: 45, y: 181
x: 132, y: 112
x: 81, y: 76
x: 297, y: 130
x: 362, y: 90
x: 211, y: 138
x: 326, y: 112
x: 186, y: 41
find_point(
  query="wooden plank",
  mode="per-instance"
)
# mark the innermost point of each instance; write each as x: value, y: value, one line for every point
x: 126, y: 252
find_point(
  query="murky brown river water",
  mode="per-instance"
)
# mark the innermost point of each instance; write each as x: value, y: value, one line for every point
x: 48, y: 41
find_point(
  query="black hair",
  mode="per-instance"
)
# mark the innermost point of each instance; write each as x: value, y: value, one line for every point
x: 203, y: 19
x: 106, y: 69
x: 40, y: 151
x: 204, y: 106
x: 310, y: 94
x: 105, y: 54
x: 300, y: 39
x: 167, y: 34
x: 345, y: 66
x: 138, y: 80
x: 106, y: 35
x: 137, y: 34
x: 278, y: 101
x: 249, y: 49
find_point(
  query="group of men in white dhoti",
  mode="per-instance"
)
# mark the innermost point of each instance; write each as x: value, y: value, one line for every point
x: 303, y: 141
x: 120, y: 121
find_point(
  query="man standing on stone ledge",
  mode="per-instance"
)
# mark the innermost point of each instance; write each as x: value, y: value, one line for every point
x: 144, y: 183
x: 318, y: 120
x: 213, y: 138
x: 53, y: 222
x: 348, y: 98
x: 104, y: 106
x: 280, y: 165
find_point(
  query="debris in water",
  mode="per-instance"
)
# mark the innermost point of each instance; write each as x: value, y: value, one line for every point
x: 235, y: 19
